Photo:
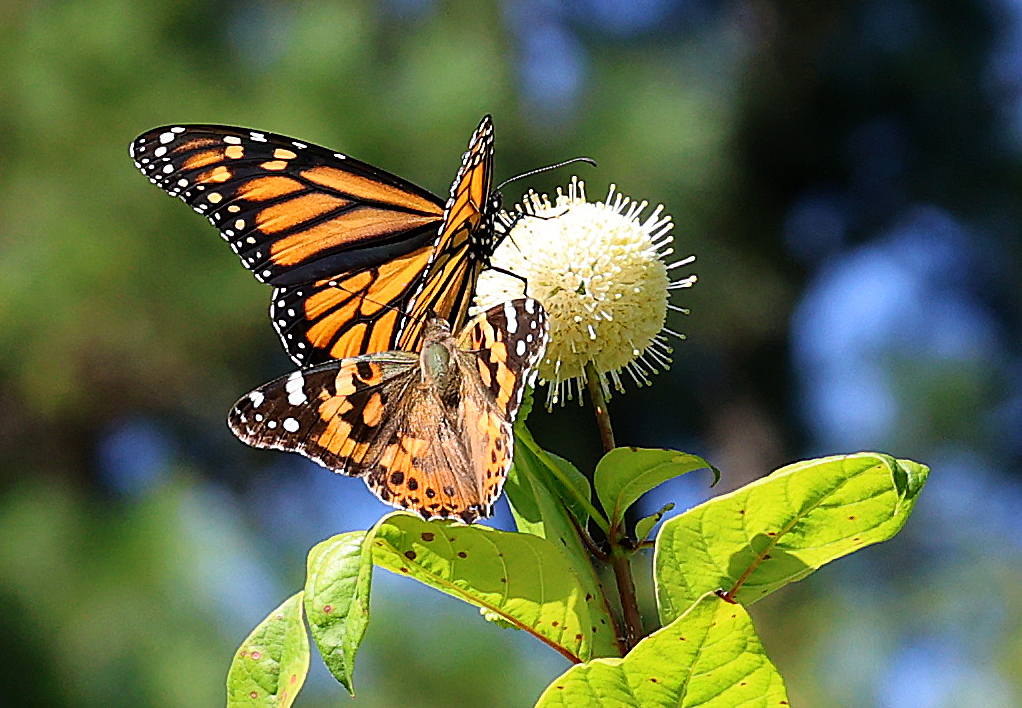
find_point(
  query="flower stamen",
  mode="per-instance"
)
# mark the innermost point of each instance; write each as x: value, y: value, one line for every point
x: 599, y: 270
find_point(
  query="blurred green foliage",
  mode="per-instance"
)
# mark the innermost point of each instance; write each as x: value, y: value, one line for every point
x: 120, y: 305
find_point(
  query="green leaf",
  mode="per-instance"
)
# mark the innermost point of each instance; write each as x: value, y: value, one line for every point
x: 559, y: 475
x: 338, y: 579
x: 645, y: 525
x: 538, y: 509
x: 781, y: 528
x: 626, y: 473
x: 269, y: 667
x: 525, y: 407
x: 527, y: 475
x: 569, y: 477
x: 709, y: 657
x: 523, y: 579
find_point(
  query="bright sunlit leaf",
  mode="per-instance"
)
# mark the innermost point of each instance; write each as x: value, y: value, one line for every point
x: 644, y: 525
x: 522, y: 578
x: 710, y: 657
x: 270, y: 666
x: 337, y: 583
x: 626, y: 473
x: 539, y: 508
x: 781, y: 528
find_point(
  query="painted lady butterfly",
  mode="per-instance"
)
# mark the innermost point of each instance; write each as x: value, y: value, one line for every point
x: 430, y: 432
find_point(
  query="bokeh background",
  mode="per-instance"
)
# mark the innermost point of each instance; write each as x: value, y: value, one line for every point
x: 848, y: 174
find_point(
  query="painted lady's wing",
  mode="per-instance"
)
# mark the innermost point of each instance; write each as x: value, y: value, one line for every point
x: 449, y: 448
x: 442, y: 450
x: 504, y: 345
x: 331, y: 413
x: 368, y: 417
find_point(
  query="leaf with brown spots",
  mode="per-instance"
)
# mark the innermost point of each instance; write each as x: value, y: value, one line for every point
x: 710, y: 657
x: 540, y: 509
x: 782, y: 527
x: 525, y: 580
x: 339, y: 574
x: 270, y: 666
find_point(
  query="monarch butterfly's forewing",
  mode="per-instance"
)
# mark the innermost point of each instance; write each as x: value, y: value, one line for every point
x: 467, y: 240
x: 355, y: 252
x: 292, y: 211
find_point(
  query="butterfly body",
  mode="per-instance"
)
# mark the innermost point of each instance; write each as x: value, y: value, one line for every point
x: 357, y: 255
x: 430, y: 432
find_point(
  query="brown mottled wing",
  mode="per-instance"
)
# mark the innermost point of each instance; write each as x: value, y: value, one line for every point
x: 423, y: 463
x: 370, y: 417
x: 334, y: 413
x: 504, y: 345
x: 446, y: 455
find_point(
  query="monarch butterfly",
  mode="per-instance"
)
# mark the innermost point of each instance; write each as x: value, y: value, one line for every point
x: 360, y: 259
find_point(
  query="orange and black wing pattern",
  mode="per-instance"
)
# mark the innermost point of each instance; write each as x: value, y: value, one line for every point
x: 359, y: 312
x: 499, y: 351
x: 467, y: 239
x: 354, y: 252
x: 432, y: 434
x: 293, y: 212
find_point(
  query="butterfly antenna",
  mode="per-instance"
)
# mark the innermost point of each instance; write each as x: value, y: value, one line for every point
x: 517, y: 276
x: 587, y: 160
x: 508, y: 223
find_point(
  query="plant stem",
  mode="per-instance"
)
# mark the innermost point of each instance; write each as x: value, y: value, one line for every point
x: 620, y: 554
x: 588, y: 541
x: 626, y: 590
x: 599, y: 407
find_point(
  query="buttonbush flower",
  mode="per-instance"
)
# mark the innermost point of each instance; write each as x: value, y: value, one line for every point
x: 599, y: 270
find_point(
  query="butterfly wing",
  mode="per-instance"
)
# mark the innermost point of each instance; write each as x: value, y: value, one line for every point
x: 359, y: 256
x: 423, y: 464
x: 450, y: 443
x: 333, y: 413
x: 498, y: 353
x: 466, y: 241
x: 369, y: 417
x: 387, y: 306
x: 362, y: 311
x: 293, y: 212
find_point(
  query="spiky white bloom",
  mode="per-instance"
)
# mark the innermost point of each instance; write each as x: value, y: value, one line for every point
x: 599, y: 271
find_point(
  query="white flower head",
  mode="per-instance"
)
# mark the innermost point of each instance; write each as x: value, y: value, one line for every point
x: 599, y: 271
